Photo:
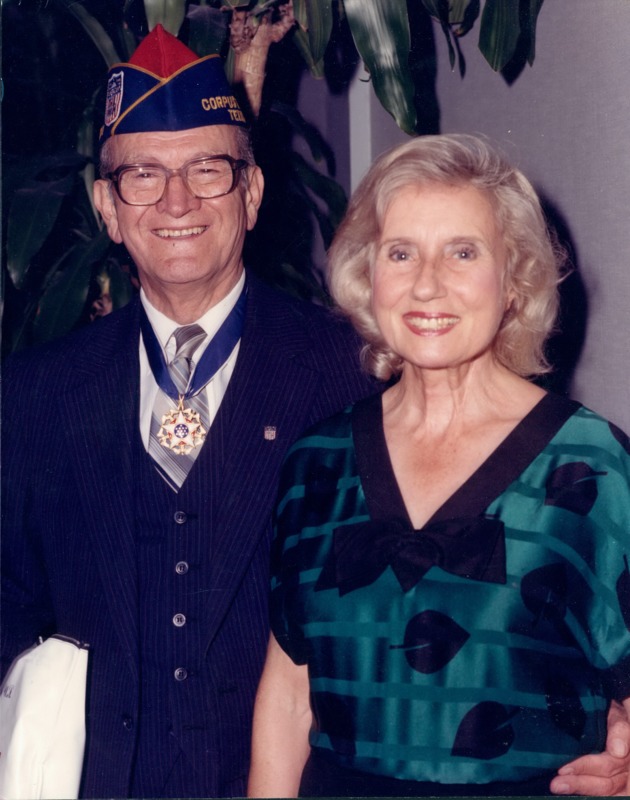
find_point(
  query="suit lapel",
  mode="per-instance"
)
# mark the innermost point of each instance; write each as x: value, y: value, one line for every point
x: 99, y: 416
x: 257, y: 430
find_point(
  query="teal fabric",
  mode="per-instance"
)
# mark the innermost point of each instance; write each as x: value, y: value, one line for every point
x: 458, y: 679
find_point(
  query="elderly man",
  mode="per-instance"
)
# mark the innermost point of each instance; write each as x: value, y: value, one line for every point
x: 138, y: 497
x: 141, y: 453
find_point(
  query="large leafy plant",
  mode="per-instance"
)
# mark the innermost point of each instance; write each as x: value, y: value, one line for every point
x: 60, y: 268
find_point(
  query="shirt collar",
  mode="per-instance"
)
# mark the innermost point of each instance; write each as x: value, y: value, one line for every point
x: 211, y: 321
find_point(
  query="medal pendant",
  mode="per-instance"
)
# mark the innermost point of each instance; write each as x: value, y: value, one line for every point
x: 181, y: 430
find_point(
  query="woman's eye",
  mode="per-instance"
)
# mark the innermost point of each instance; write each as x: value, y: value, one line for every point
x: 399, y: 255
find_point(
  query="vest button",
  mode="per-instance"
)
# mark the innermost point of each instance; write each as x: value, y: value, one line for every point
x: 180, y: 517
x: 181, y: 568
x: 179, y: 620
x: 180, y: 674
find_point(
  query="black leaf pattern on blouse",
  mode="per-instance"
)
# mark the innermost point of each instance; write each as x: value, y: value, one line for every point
x: 336, y: 715
x: 565, y: 707
x: 320, y: 493
x: 431, y: 640
x: 485, y: 732
x: 544, y: 593
x: 573, y: 487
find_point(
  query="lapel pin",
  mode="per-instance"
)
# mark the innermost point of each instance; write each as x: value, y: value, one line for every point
x: 270, y: 432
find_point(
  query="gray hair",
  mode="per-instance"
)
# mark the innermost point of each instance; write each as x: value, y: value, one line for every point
x: 243, y: 146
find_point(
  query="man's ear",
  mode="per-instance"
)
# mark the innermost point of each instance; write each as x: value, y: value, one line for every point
x: 253, y: 194
x: 104, y: 202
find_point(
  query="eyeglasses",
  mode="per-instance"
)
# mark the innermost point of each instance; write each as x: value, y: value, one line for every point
x: 145, y: 184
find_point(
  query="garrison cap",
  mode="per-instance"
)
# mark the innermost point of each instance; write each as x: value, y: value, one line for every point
x: 167, y: 87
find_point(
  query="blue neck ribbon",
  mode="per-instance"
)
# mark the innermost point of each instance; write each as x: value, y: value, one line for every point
x: 214, y: 356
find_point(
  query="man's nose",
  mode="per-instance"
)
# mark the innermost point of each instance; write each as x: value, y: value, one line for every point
x: 177, y: 199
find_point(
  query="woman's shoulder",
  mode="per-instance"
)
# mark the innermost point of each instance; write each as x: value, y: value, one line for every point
x: 589, y: 428
x: 324, y: 454
x: 596, y: 448
x: 336, y: 432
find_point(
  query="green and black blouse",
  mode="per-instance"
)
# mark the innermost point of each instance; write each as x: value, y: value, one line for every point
x: 485, y: 646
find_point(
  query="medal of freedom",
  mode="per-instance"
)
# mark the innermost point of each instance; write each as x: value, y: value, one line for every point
x: 181, y: 430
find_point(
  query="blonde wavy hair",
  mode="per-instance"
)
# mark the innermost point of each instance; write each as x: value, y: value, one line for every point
x: 534, y: 260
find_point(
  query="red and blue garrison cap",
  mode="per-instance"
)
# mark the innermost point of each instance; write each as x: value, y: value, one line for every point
x: 167, y: 87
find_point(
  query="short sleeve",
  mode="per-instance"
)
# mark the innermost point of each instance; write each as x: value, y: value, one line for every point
x: 609, y: 619
x: 318, y: 489
x: 285, y: 560
x: 284, y: 589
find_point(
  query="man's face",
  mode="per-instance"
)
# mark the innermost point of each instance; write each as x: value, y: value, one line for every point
x: 182, y: 246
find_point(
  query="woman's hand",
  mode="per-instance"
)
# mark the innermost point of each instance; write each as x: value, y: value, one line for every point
x: 604, y: 774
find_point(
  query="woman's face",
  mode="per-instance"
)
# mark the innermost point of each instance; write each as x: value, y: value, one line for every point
x: 438, y: 278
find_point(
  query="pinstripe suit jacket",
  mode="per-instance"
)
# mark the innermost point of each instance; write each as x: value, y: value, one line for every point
x: 70, y: 413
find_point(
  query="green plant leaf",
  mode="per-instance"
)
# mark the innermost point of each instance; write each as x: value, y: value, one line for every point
x: 464, y: 15
x: 531, y: 18
x: 94, y: 30
x: 456, y: 18
x: 208, y: 29
x: 452, y: 12
x: 85, y: 146
x: 61, y: 305
x: 500, y: 31
x: 32, y: 216
x: 439, y: 9
x: 120, y: 288
x: 315, y: 20
x: 380, y: 29
x: 323, y: 187
x: 168, y: 13
x: 300, y: 39
x: 235, y: 4
x: 318, y: 146
x: 126, y: 35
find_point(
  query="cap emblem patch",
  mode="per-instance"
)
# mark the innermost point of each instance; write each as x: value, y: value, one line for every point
x: 113, y: 101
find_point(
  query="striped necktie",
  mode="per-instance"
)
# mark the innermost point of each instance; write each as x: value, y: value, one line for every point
x: 174, y: 461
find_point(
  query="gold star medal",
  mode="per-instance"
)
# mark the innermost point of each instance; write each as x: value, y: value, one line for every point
x: 181, y: 430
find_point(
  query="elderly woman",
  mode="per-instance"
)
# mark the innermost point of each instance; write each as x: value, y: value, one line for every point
x: 451, y: 584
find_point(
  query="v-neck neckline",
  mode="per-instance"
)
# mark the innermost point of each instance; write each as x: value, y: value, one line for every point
x: 505, y: 463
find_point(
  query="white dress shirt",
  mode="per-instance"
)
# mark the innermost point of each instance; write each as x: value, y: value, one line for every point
x: 164, y: 327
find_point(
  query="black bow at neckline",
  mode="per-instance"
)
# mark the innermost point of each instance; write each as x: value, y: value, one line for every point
x: 471, y: 548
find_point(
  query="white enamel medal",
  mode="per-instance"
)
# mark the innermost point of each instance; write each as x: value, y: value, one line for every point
x: 181, y: 429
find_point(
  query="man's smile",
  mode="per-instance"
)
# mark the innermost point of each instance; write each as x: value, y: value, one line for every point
x: 177, y: 233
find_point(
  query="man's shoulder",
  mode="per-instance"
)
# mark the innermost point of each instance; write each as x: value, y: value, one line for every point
x: 288, y: 316
x: 310, y: 337
x: 337, y: 426
x: 97, y: 340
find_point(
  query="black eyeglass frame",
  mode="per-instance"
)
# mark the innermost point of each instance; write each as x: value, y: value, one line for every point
x: 236, y: 165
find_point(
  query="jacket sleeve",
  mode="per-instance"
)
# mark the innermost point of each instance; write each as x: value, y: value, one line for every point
x: 27, y: 610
